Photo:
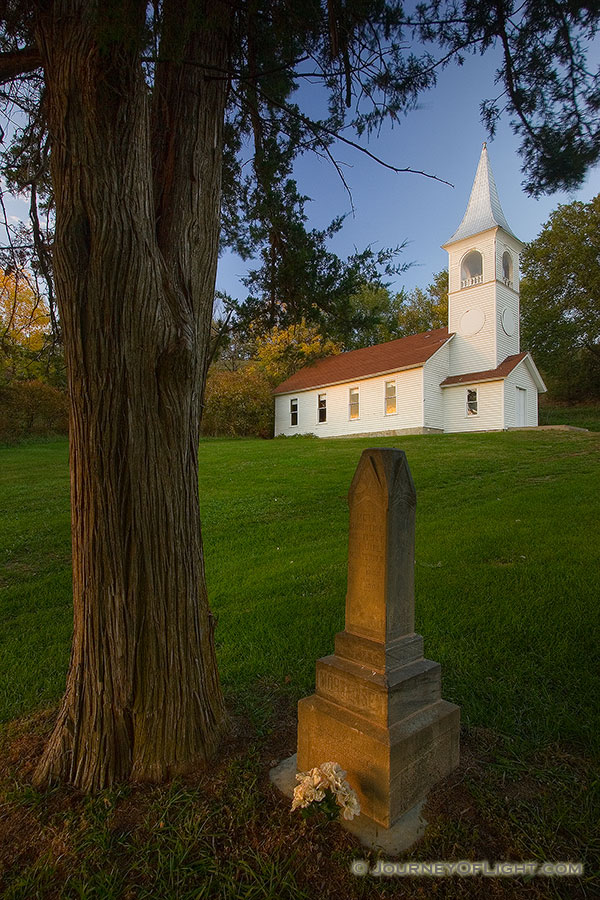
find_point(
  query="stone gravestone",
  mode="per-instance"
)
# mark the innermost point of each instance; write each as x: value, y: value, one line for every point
x: 377, y: 710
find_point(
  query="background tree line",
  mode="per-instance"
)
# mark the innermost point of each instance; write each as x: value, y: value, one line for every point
x: 251, y: 357
x: 258, y: 343
x: 560, y: 301
x: 32, y: 376
x: 560, y: 325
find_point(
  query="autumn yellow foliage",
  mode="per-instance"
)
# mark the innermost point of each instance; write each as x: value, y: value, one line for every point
x: 24, y: 314
x: 237, y: 403
x: 282, y: 351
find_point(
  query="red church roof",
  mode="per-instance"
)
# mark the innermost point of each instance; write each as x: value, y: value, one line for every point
x: 504, y: 369
x: 404, y: 353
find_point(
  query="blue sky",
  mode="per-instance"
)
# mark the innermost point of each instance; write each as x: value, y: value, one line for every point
x: 444, y: 137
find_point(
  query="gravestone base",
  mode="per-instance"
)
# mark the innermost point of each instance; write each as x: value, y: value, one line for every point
x: 390, y: 768
x: 393, y: 841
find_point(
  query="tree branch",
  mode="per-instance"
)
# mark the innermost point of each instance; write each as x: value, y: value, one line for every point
x: 19, y: 62
x: 318, y: 127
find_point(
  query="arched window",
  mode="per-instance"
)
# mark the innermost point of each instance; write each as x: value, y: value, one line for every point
x: 471, y: 270
x: 507, y: 268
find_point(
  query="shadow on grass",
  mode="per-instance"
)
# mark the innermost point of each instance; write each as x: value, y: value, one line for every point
x: 225, y: 832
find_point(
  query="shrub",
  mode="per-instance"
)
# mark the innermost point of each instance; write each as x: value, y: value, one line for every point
x: 32, y: 409
x: 238, y: 403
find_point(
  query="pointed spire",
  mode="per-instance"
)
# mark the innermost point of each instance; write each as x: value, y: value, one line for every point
x: 484, y: 210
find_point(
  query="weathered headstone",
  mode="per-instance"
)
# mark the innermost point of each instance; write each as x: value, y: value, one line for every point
x: 377, y: 710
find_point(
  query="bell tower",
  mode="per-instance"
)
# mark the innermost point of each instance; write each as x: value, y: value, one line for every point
x: 483, y: 289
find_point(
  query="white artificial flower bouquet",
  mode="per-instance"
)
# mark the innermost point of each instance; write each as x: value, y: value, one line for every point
x: 325, y: 789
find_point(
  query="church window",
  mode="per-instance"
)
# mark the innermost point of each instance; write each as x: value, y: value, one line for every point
x: 322, y: 411
x: 390, y: 398
x: 472, y: 402
x: 353, y: 403
x: 471, y: 270
x: 294, y: 411
x: 507, y: 268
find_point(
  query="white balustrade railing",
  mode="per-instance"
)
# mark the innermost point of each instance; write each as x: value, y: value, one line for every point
x: 468, y: 282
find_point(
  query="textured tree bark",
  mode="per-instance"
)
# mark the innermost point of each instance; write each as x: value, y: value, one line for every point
x: 137, y: 227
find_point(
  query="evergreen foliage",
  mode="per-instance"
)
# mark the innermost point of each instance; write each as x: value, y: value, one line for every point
x: 373, y: 60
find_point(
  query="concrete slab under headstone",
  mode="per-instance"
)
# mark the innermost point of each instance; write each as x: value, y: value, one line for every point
x: 393, y: 841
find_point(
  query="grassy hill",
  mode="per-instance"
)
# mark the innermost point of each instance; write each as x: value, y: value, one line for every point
x: 581, y: 415
x: 506, y: 598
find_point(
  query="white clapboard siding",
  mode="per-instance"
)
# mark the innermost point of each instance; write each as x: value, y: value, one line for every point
x: 483, y: 321
x: 521, y: 378
x: 434, y: 371
x: 505, y: 241
x: 508, y: 300
x: 473, y: 352
x: 490, y: 417
x: 372, y: 416
x: 486, y: 245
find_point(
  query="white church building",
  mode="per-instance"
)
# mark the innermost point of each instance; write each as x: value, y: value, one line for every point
x: 470, y: 376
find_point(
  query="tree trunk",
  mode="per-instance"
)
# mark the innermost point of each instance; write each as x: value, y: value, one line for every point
x: 135, y: 267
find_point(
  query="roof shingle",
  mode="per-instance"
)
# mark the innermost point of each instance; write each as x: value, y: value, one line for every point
x: 404, y: 353
x: 504, y: 369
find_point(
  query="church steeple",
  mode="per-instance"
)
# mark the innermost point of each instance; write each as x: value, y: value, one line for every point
x: 483, y: 210
x: 483, y: 284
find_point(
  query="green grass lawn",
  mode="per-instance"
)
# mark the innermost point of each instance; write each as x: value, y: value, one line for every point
x: 507, y: 557
x: 584, y: 415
